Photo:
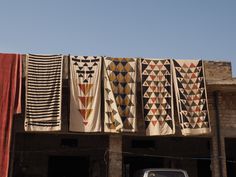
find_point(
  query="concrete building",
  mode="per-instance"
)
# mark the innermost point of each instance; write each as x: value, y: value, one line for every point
x: 68, y: 154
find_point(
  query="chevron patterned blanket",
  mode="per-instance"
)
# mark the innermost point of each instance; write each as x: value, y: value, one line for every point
x: 85, y: 93
x: 190, y: 88
x: 157, y: 96
x: 120, y: 94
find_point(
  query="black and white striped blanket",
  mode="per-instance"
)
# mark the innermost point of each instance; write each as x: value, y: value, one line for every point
x: 43, y: 92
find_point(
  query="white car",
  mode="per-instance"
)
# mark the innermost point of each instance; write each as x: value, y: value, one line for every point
x: 161, y: 172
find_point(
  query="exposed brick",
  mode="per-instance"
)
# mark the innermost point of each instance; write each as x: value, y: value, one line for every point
x: 218, y: 70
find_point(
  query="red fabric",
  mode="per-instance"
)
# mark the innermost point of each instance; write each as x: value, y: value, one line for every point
x: 10, y: 103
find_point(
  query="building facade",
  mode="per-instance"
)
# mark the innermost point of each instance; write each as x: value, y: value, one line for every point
x: 68, y: 154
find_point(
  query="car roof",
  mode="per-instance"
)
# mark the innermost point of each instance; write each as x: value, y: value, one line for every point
x: 163, y: 169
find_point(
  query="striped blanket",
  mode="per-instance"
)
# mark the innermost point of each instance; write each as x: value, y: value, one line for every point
x: 43, y: 92
x: 85, y: 93
x: 190, y: 88
x: 157, y: 96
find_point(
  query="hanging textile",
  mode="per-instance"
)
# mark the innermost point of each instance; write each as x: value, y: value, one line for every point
x: 85, y: 94
x: 43, y: 92
x: 191, y: 96
x: 120, y: 94
x: 157, y: 96
x: 10, y: 103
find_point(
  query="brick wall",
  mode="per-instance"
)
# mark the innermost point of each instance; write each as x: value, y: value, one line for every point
x: 218, y: 70
x: 228, y: 110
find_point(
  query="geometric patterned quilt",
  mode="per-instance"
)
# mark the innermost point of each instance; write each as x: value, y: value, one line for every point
x: 120, y: 94
x: 190, y: 88
x: 157, y: 95
x: 43, y: 92
x: 85, y: 94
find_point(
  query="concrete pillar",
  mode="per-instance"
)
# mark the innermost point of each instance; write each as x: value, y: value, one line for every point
x: 222, y: 140
x: 115, y: 156
x: 218, y: 161
x: 215, y: 169
x: 223, y: 157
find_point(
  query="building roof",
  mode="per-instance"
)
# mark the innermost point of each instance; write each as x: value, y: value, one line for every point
x: 228, y: 85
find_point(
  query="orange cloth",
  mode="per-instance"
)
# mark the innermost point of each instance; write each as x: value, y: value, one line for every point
x: 10, y: 103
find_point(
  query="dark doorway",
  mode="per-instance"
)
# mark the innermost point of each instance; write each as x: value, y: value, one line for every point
x: 230, y: 146
x: 134, y: 163
x: 204, y: 169
x: 68, y: 166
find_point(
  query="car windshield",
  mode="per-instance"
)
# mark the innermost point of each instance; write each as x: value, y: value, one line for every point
x: 166, y: 174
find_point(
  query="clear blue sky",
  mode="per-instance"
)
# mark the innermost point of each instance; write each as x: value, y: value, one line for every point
x: 184, y: 29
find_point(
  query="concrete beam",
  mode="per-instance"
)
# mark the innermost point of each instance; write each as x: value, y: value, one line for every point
x: 115, y: 156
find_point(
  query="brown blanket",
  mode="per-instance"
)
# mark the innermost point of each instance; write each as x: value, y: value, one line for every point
x: 10, y: 103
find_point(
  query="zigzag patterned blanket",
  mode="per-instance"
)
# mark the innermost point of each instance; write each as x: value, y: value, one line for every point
x: 43, y: 92
x: 191, y: 95
x: 85, y: 93
x: 120, y: 94
x: 157, y: 96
